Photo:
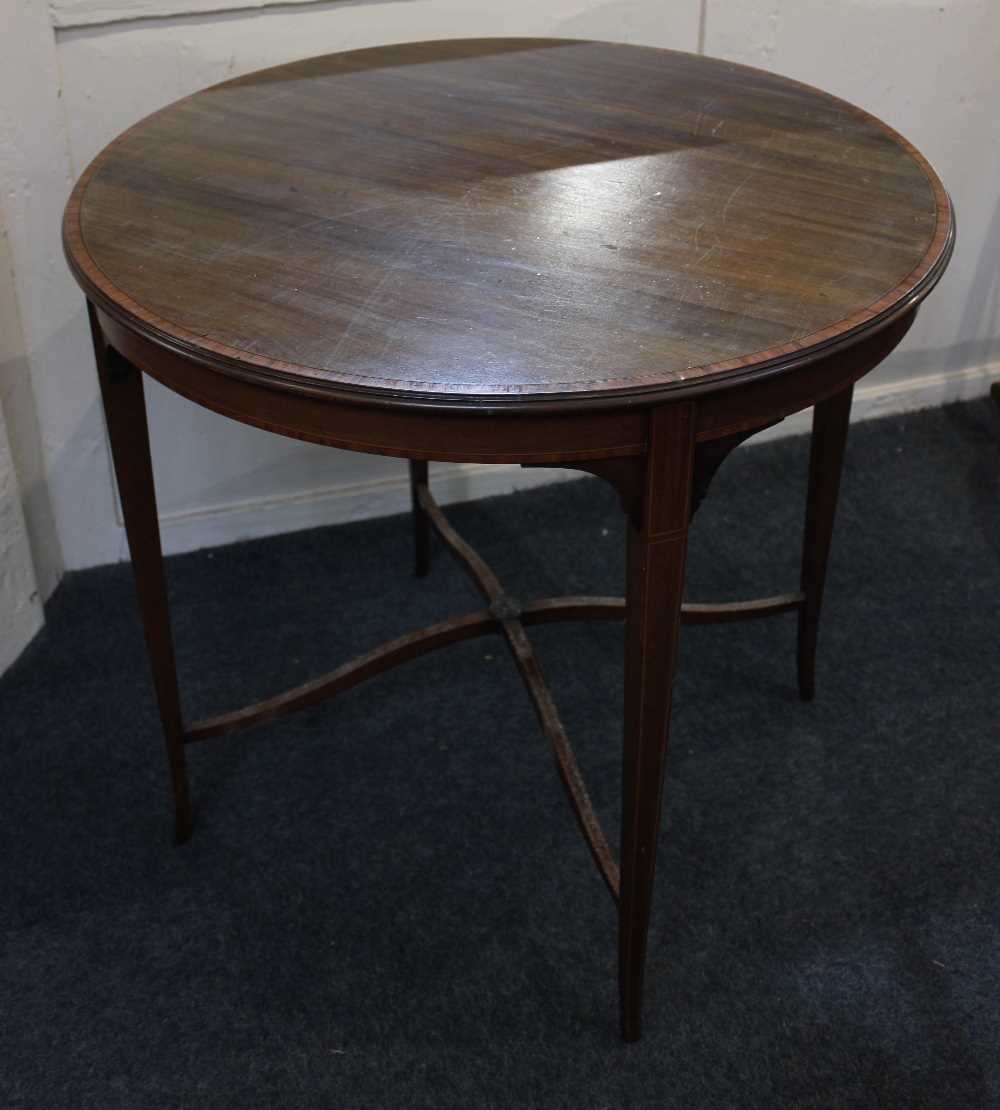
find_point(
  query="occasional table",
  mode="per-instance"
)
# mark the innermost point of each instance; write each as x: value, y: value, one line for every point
x: 600, y: 257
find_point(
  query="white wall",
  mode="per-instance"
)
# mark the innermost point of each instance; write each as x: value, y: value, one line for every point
x: 930, y: 69
x: 20, y: 602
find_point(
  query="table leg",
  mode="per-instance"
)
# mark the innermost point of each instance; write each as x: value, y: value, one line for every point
x: 421, y: 528
x: 128, y: 434
x: 657, y: 542
x: 826, y: 458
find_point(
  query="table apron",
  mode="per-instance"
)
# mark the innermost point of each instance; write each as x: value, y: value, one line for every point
x: 492, y: 436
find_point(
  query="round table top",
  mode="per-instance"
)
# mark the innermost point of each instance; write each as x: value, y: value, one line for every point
x: 504, y: 222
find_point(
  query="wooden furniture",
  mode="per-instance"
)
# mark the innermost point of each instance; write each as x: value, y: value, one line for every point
x: 607, y: 258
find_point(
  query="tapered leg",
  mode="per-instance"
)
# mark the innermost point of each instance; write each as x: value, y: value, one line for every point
x: 657, y: 543
x: 421, y: 529
x: 826, y: 458
x: 125, y: 415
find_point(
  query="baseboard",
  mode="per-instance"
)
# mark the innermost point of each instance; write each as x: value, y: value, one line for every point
x: 354, y: 500
x: 891, y: 398
x: 344, y: 502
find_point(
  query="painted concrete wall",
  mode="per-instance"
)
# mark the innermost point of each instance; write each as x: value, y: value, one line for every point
x: 20, y: 601
x: 930, y: 69
x: 57, y: 434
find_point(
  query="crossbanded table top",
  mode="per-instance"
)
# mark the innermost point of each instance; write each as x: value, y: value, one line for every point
x: 496, y: 222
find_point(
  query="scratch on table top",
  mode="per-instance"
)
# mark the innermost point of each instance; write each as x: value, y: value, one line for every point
x: 733, y: 195
x: 702, y: 112
x: 738, y: 188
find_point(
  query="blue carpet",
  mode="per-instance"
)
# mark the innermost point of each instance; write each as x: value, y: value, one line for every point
x: 386, y: 904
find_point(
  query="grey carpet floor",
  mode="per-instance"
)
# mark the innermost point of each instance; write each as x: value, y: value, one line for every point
x: 385, y: 903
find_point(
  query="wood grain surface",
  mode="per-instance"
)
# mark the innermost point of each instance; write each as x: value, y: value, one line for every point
x: 508, y: 223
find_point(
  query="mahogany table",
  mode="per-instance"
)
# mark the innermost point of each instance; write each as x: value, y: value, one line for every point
x: 607, y: 258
